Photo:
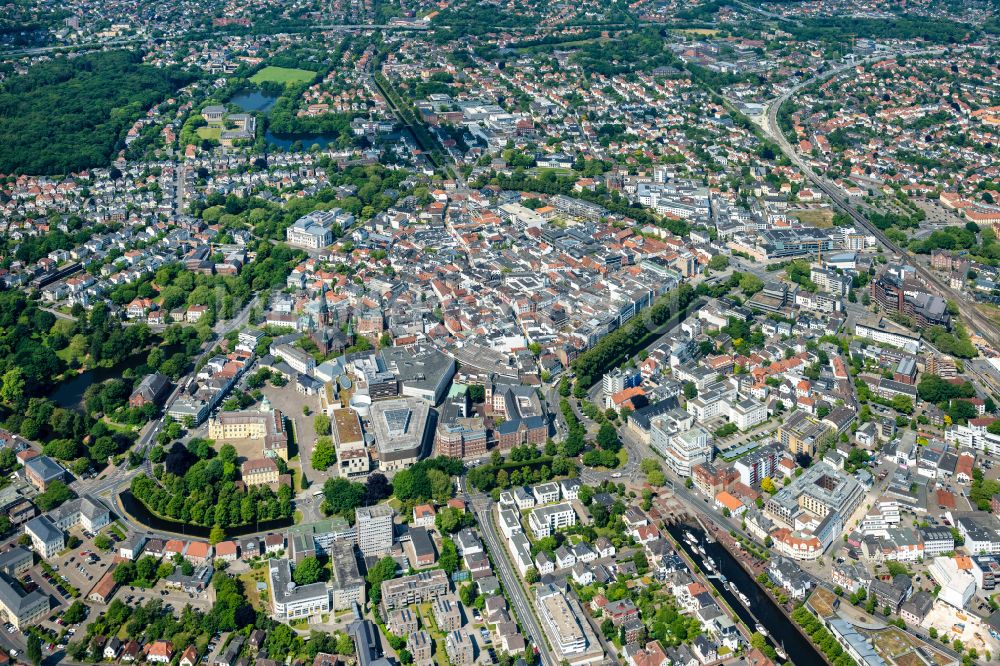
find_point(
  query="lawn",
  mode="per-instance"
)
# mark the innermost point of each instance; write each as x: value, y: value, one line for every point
x: 250, y: 580
x: 282, y: 75
x: 821, y: 218
x: 212, y: 132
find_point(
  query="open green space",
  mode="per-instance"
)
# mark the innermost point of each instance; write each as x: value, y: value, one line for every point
x: 72, y: 114
x: 212, y: 132
x: 282, y: 75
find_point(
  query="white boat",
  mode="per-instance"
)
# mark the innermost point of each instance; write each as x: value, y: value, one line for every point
x: 701, y: 549
x: 709, y: 560
x: 780, y: 651
x: 761, y: 630
x: 744, y: 599
x: 709, y: 565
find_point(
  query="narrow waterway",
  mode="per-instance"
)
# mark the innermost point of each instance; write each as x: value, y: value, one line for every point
x: 761, y: 609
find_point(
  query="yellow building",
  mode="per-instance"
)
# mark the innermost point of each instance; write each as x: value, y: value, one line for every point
x: 260, y: 472
x: 265, y: 424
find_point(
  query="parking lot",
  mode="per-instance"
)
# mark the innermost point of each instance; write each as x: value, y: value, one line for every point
x: 173, y: 598
x: 83, y: 566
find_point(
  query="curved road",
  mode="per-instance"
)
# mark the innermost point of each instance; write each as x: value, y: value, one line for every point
x: 972, y: 316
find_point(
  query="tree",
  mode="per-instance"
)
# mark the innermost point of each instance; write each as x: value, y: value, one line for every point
x: 449, y: 556
x: 718, y: 262
x: 384, y: 569
x: 12, y: 388
x: 531, y: 576
x: 750, y: 284
x: 342, y: 496
x: 609, y: 629
x: 34, y: 649
x: 903, y: 404
x: 216, y: 534
x: 321, y: 423
x: 57, y: 493
x: 103, y: 542
x: 441, y: 486
x: 345, y: 644
x: 767, y: 485
x: 324, y: 454
x: 76, y: 613
x: 308, y: 571
x: 607, y: 438
x: 640, y: 561
x: 690, y: 390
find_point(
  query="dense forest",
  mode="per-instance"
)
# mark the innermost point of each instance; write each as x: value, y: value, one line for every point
x: 836, y: 29
x: 72, y: 114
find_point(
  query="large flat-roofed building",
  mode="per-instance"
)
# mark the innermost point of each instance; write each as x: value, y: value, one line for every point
x: 888, y: 333
x: 423, y: 372
x: 800, y: 434
x: 349, y: 441
x: 375, y: 529
x: 568, y: 637
x: 265, y: 424
x: 400, y: 429
x: 682, y: 450
x: 313, y: 231
x: 290, y: 601
x: 348, y: 586
x: 461, y: 433
x: 758, y: 465
x: 820, y: 490
x: 418, y: 588
x: 897, y: 289
x: 545, y: 520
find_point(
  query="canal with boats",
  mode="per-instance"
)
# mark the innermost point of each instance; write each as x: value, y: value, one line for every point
x: 744, y: 595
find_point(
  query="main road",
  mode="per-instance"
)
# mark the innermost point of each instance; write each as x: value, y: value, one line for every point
x: 482, y: 507
x: 979, y: 323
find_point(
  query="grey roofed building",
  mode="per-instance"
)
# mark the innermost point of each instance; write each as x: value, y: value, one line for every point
x: 424, y: 372
x: 291, y: 601
x: 14, y: 561
x: 86, y: 510
x: 149, y: 390
x: 19, y: 606
x: 917, y: 607
x: 857, y: 646
x: 422, y: 544
x: 348, y: 585
x: 44, y: 469
x: 45, y: 535
x: 367, y: 646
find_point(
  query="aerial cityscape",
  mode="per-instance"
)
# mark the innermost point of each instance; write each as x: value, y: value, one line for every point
x: 494, y: 332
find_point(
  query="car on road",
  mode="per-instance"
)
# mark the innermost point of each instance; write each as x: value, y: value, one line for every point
x: 616, y: 475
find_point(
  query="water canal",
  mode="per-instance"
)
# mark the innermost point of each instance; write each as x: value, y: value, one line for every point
x: 760, y: 609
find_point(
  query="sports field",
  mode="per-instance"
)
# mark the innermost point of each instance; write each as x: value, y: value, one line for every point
x: 282, y: 75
